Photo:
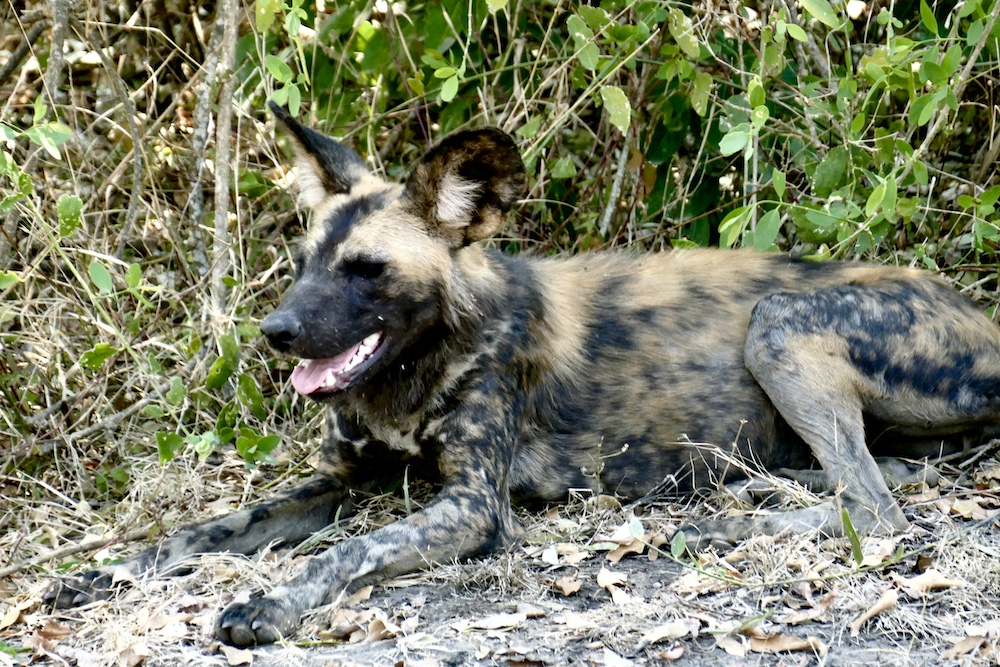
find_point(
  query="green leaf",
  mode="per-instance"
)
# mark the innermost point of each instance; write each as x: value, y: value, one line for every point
x: 133, y: 275
x: 529, y: 129
x: 678, y: 544
x: 595, y: 17
x: 177, y: 391
x: 617, y: 106
x: 416, y: 85
x: 875, y: 199
x: 920, y: 172
x: 701, y: 87
x: 7, y: 133
x: 68, y: 208
x: 927, y: 16
x: 230, y: 350
x: 889, y: 200
x: 204, y: 443
x: 822, y: 12
x: 590, y: 56
x: 830, y: 172
x: 682, y: 31
x: 731, y: 227
x: 563, y: 168
x: 976, y: 29
x: 101, y: 277
x: 278, y: 68
x: 759, y: 116
x: 852, y: 535
x: 952, y: 59
x: 264, y: 13
x: 8, y: 278
x: 218, y: 374
x: 445, y: 72
x: 294, y: 99
x: 734, y: 140
x: 167, y: 445
x: 778, y: 181
x: 95, y: 357
x: 153, y: 412
x: 249, y: 395
x: 449, y: 89
x: 767, y: 230
x: 755, y: 93
x: 796, y: 32
x: 922, y: 110
x: 495, y: 5
x: 40, y: 110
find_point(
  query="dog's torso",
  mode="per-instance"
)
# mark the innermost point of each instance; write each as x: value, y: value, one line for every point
x: 612, y: 368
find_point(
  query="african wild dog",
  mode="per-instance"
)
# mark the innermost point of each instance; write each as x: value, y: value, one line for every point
x: 504, y: 376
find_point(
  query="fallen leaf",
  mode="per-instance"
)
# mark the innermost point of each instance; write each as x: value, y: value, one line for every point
x: 53, y: 631
x: 381, y: 628
x: 569, y: 585
x: 619, y: 596
x: 669, y: 631
x: 237, y: 656
x: 656, y: 540
x: 607, y: 578
x: 622, y: 550
x: 13, y: 612
x: 530, y: 610
x: 963, y: 647
x: 810, y: 614
x: 885, y: 602
x: 732, y: 645
x: 786, y: 644
x: 612, y: 659
x: 550, y: 556
x: 134, y: 654
x: 927, y: 495
x: 969, y: 508
x: 575, y: 558
x: 360, y: 595
x: 928, y: 581
x: 498, y: 621
x: 622, y: 535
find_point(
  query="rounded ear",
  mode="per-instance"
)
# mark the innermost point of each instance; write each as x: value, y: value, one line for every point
x: 463, y: 186
x: 324, y: 166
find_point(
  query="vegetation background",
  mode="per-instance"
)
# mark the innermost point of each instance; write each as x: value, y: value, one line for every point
x: 146, y: 220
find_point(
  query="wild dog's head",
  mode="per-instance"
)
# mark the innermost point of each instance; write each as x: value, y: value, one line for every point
x: 378, y: 269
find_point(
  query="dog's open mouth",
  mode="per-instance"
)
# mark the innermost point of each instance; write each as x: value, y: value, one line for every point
x: 313, y: 376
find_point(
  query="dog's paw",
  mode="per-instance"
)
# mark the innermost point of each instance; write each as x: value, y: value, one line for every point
x: 81, y: 590
x: 259, y: 621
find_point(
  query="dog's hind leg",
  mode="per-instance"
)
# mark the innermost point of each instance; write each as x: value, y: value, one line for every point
x: 907, y: 352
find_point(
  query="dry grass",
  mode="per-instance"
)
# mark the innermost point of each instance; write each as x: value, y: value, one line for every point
x: 720, y: 604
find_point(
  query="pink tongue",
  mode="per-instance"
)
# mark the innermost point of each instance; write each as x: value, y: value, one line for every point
x: 310, y: 378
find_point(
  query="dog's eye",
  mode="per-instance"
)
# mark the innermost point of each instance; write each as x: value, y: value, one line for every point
x: 363, y: 267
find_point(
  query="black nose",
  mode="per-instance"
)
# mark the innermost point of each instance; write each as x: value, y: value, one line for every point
x: 281, y: 329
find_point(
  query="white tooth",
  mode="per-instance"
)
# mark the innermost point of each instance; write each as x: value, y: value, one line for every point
x: 331, y: 378
x: 372, y: 340
x: 305, y: 363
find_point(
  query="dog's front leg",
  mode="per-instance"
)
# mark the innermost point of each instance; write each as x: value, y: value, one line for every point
x: 471, y: 515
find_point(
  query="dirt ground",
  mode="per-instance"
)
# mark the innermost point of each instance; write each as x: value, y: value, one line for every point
x: 581, y: 589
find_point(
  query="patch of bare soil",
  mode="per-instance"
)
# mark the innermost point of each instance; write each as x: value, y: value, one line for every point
x: 593, y: 584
